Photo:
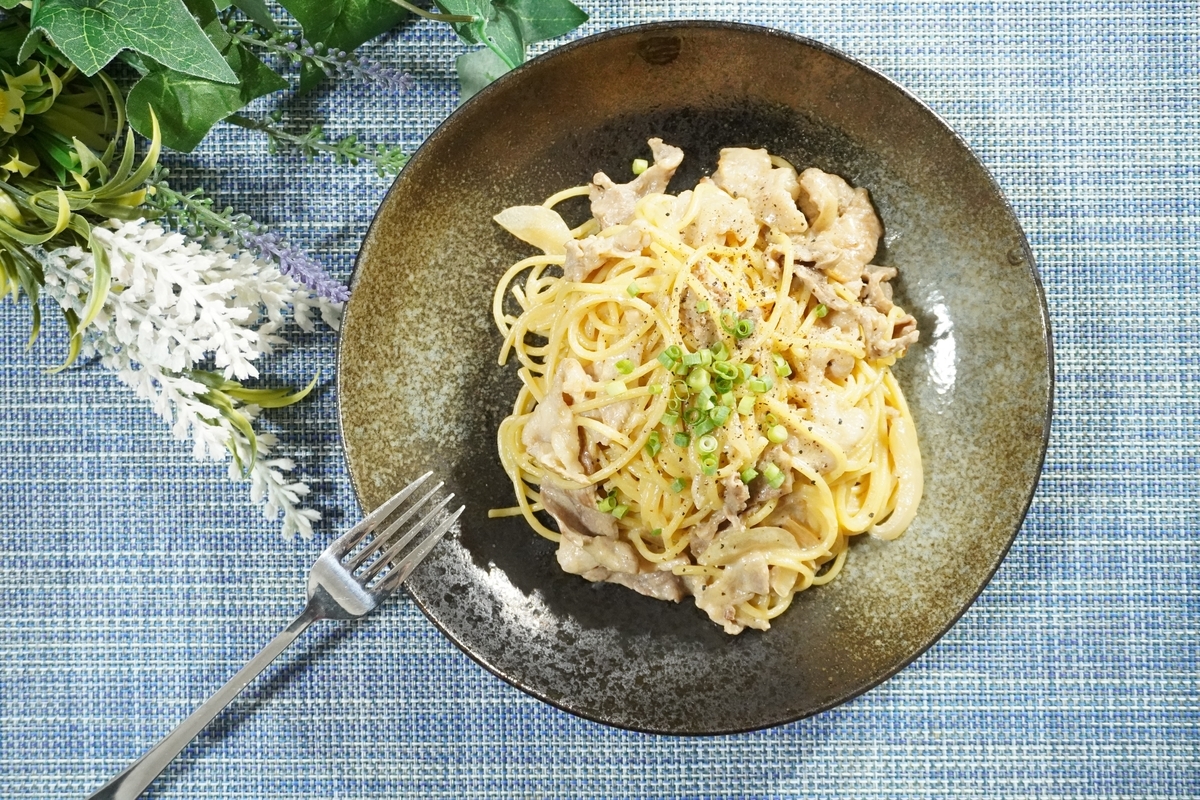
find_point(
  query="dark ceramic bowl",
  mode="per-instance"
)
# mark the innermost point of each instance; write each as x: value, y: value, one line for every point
x: 420, y: 389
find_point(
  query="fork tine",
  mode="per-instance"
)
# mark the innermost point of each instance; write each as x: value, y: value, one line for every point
x: 394, y: 549
x: 382, y: 537
x: 351, y: 537
x: 410, y: 561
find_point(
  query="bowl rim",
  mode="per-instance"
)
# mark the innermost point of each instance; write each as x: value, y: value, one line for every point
x: 1027, y: 259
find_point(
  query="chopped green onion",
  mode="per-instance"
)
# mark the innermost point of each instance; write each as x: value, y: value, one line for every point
x: 705, y: 402
x: 624, y: 366
x: 666, y: 360
x: 682, y: 439
x: 773, y: 475
x: 708, y: 464
x: 693, y: 415
x: 758, y: 385
x: 702, y: 306
x: 703, y: 426
x: 674, y: 352
x: 655, y: 388
x: 607, y: 504
x: 653, y: 444
x: 674, y: 405
x: 707, y: 444
x: 681, y: 368
x: 698, y: 378
x: 822, y: 311
x: 744, y: 328
x: 746, y: 404
x: 722, y: 385
x: 615, y: 388
x: 720, y: 415
x: 619, y: 511
x: 639, y: 166
x: 782, y: 367
x: 777, y: 434
x: 691, y: 359
x: 723, y: 369
x: 678, y: 485
x: 679, y: 390
x: 719, y: 351
x: 749, y: 474
x: 706, y: 357
x: 747, y: 371
x: 656, y: 532
x: 632, y: 289
x: 729, y: 322
x: 669, y: 419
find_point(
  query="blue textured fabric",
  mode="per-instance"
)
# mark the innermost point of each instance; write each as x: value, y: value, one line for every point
x: 133, y: 581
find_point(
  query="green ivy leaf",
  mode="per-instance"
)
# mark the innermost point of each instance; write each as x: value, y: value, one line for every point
x: 341, y: 25
x: 501, y: 32
x: 544, y: 19
x: 495, y: 25
x: 477, y: 69
x: 9, y: 3
x: 187, y: 106
x: 506, y: 28
x: 92, y: 32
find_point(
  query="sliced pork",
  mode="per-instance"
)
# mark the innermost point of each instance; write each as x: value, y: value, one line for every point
x: 771, y: 191
x: 614, y: 203
x: 552, y: 436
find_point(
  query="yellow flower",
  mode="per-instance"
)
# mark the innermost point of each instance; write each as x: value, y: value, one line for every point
x: 12, y: 110
x: 22, y: 160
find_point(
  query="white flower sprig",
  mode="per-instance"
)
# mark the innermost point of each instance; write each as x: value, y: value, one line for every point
x: 178, y: 312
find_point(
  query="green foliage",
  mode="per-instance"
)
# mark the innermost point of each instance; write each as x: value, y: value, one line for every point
x: 187, y: 106
x: 477, y: 69
x: 257, y: 12
x: 545, y: 19
x: 341, y: 25
x: 226, y: 396
x: 197, y: 65
x: 62, y: 166
x: 347, y: 150
x: 92, y: 32
x: 191, y: 106
x: 508, y: 27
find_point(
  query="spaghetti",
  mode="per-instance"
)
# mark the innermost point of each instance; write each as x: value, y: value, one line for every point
x: 707, y: 406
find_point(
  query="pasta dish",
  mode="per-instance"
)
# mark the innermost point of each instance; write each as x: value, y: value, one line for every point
x: 707, y: 407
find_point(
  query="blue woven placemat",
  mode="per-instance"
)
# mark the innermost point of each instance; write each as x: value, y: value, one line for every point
x: 133, y: 581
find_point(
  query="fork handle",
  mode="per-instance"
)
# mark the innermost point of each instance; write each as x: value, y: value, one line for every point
x: 141, y: 773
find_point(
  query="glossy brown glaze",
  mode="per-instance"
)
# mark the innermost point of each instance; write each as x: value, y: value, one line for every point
x: 420, y: 389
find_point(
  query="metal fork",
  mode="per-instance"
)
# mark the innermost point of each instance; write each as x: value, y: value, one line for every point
x: 349, y: 580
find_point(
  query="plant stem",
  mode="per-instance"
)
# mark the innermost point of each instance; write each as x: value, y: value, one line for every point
x: 332, y: 61
x: 202, y: 210
x: 387, y: 160
x: 420, y: 12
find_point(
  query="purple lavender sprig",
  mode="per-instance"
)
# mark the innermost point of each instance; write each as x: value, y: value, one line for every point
x: 193, y: 213
x: 295, y: 263
x: 334, y: 63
